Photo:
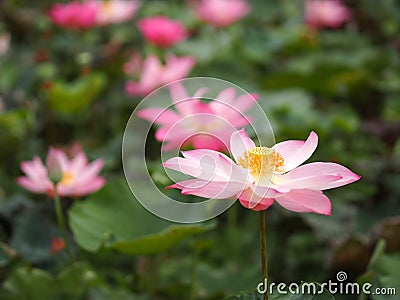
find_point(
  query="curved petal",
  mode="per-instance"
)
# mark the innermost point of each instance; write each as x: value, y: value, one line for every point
x: 223, y: 106
x: 171, y: 145
x: 231, y: 109
x: 317, y: 176
x: 81, y: 188
x: 227, y: 95
x: 40, y: 187
x: 224, y: 135
x: 261, y: 192
x: 176, y: 132
x: 159, y: 115
x: 247, y: 197
x: 232, y: 171
x: 209, y: 189
x: 306, y: 201
x: 285, y: 182
x: 239, y: 120
x: 206, y: 169
x: 200, y: 92
x: 150, y: 73
x: 133, y: 88
x: 34, y: 169
x: 240, y: 142
x: 174, y: 137
x: 224, y: 101
x: 188, y: 184
x: 267, y: 191
x: 176, y: 68
x: 78, y: 163
x: 228, y: 113
x: 199, y: 108
x: 178, y: 94
x: 89, y: 172
x: 296, y: 152
x: 205, y: 141
x: 245, y: 101
x: 57, y: 160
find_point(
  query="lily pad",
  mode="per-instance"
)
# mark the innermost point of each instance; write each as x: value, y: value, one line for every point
x: 32, y: 234
x: 113, y: 219
x: 383, y: 273
x: 78, y: 279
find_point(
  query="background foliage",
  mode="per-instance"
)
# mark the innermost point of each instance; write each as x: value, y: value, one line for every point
x: 58, y: 87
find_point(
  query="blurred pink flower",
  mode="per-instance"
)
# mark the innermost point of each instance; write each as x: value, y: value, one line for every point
x: 153, y: 74
x: 115, y: 11
x: 326, y: 13
x: 204, y: 125
x: 73, y: 177
x: 262, y: 175
x: 133, y: 65
x: 221, y: 13
x: 162, y: 31
x: 92, y: 13
x: 74, y: 15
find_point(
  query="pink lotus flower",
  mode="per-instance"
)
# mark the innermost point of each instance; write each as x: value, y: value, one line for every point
x: 161, y: 31
x: 73, y: 177
x: 115, y: 11
x: 154, y: 74
x: 326, y: 13
x: 74, y: 15
x: 92, y: 13
x: 204, y: 125
x: 261, y: 175
x: 221, y: 13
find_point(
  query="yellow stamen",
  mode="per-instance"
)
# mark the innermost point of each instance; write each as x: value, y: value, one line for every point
x: 262, y: 161
x: 67, y: 178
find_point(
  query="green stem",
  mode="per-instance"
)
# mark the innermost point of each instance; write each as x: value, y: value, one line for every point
x: 60, y: 221
x: 153, y: 278
x: 193, y: 274
x: 264, y: 260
